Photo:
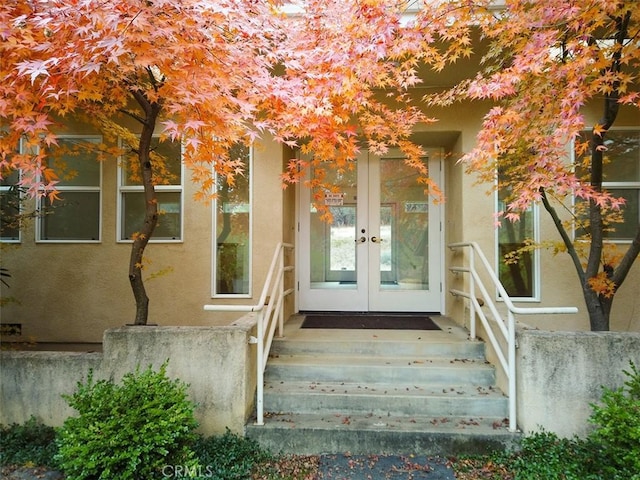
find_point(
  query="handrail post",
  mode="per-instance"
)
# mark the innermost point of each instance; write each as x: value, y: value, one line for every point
x: 281, y: 294
x: 472, y: 289
x: 260, y: 371
x: 511, y: 345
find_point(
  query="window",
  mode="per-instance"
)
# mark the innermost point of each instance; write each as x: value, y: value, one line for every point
x: 167, y: 158
x: 75, y: 216
x: 10, y: 207
x: 518, y: 267
x: 232, y: 225
x: 621, y: 173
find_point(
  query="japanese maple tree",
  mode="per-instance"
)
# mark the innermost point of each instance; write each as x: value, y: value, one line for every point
x: 331, y: 78
x: 185, y: 69
x: 208, y: 73
x: 545, y: 61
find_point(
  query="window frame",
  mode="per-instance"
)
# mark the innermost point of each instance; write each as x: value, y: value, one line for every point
x: 123, y: 189
x: 608, y: 186
x: 4, y: 189
x: 77, y: 189
x: 536, y: 262
x: 214, y: 237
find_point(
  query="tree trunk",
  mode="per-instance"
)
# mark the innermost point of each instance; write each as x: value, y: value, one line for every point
x: 150, y: 221
x: 599, y: 306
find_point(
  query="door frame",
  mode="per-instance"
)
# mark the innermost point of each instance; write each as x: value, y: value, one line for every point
x: 440, y: 181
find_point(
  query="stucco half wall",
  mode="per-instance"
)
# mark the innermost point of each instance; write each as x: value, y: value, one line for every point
x: 217, y: 363
x: 561, y: 374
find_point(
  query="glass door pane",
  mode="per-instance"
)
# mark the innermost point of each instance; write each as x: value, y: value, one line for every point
x: 333, y: 255
x: 404, y: 228
x: 333, y: 244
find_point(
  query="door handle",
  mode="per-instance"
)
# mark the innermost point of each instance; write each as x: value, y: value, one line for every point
x: 376, y: 240
x: 360, y: 240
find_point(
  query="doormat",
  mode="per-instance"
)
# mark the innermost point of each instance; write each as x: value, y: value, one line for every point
x: 370, y: 322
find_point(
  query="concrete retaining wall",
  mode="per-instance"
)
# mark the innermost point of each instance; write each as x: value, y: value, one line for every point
x: 560, y: 374
x: 218, y: 363
x: 31, y: 383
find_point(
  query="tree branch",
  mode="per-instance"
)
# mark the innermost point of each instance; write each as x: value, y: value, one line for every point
x: 571, y: 249
x: 137, y: 118
x: 144, y: 102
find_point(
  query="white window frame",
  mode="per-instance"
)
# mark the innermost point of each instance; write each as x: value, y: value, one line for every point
x: 122, y: 189
x: 608, y: 186
x: 535, y: 210
x: 61, y: 189
x: 214, y: 224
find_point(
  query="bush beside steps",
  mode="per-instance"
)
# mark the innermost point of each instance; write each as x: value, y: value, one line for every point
x: 144, y: 429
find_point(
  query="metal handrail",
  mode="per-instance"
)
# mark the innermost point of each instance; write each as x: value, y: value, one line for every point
x: 506, y: 329
x: 269, y: 314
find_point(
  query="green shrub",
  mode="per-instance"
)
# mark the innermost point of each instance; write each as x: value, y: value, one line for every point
x: 228, y: 456
x: 544, y: 455
x: 128, y: 431
x: 29, y: 444
x: 617, y: 423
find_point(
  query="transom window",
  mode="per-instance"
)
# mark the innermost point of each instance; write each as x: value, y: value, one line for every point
x: 167, y: 158
x: 75, y: 216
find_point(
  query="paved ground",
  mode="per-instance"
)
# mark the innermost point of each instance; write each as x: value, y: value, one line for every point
x: 381, y: 467
x: 31, y: 474
x: 332, y: 467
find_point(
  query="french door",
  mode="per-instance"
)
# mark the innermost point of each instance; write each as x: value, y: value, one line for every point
x: 382, y: 249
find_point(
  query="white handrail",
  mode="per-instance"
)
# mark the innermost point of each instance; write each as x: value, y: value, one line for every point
x: 268, y: 313
x: 508, y: 330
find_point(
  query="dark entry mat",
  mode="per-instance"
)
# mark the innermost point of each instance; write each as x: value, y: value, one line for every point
x: 370, y: 322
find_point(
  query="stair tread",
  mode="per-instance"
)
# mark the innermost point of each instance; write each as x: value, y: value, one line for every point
x: 371, y: 422
x: 386, y: 346
x: 384, y: 389
x: 375, y: 361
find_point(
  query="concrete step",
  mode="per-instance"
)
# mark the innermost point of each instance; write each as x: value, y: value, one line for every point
x: 374, y: 391
x: 371, y: 370
x: 367, y: 433
x: 436, y: 346
x: 384, y: 399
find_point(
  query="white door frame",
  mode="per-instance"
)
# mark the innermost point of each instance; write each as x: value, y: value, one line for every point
x: 344, y: 299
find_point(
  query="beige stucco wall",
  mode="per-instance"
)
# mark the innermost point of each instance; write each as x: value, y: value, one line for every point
x: 72, y: 292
